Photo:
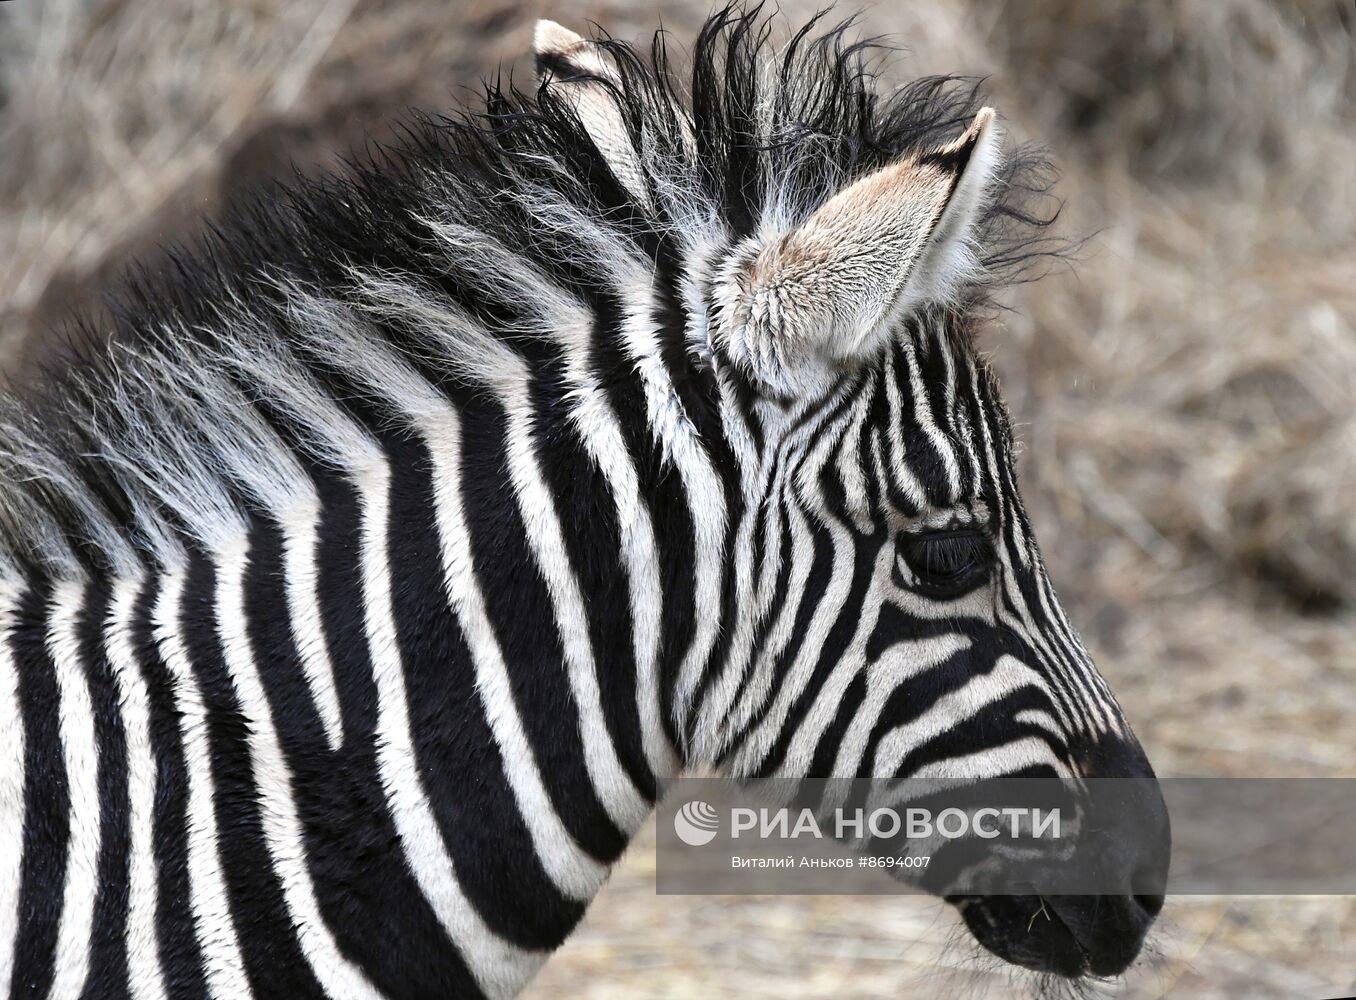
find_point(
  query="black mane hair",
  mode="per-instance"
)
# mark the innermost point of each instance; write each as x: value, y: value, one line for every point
x: 75, y: 444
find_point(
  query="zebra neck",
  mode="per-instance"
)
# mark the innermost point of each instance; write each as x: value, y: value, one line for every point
x: 403, y: 703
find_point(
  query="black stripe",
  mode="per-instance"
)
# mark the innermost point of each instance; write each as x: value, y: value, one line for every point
x: 491, y: 848
x: 731, y: 597
x: 781, y: 595
x: 816, y: 586
x: 587, y: 512
x: 996, y: 432
x: 862, y: 560
x: 180, y: 954
x: 933, y: 372
x: 272, y: 956
x: 661, y: 491
x: 46, y: 801
x: 889, y: 418
x: 107, y: 975
x: 518, y: 605
x: 793, y: 454
x: 921, y: 453
x: 977, y: 733
x: 1021, y: 648
x: 367, y: 894
x: 826, y: 750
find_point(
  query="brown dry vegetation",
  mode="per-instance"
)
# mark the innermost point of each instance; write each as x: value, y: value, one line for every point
x: 1186, y: 393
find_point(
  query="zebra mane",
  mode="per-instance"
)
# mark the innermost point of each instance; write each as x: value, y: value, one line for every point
x: 447, y: 259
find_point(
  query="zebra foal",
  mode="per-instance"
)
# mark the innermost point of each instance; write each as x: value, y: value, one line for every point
x: 363, y: 587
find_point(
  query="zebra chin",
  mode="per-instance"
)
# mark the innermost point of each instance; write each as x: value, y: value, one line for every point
x: 1069, y: 936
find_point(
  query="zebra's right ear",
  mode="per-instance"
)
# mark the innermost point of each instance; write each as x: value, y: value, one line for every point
x: 792, y: 306
x: 577, y: 70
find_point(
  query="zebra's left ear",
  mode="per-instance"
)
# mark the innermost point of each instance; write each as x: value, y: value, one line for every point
x: 830, y: 289
x: 577, y: 70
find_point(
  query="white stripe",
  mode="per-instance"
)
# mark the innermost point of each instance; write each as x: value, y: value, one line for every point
x: 897, y: 664
x: 774, y: 643
x: 76, y: 723
x: 951, y: 711
x: 670, y: 426
x: 1042, y: 720
x: 624, y: 805
x: 11, y: 786
x: 500, y: 968
x: 993, y: 762
x: 903, y: 475
x: 715, y: 725
x: 801, y: 493
x: 922, y: 411
x: 851, y: 461
x: 222, y: 963
x: 598, y: 428
x: 144, y: 974
x: 1075, y: 659
x: 706, y: 504
x: 301, y: 542
x: 711, y: 731
x: 1034, y: 634
x: 1001, y: 485
x: 339, y: 977
x: 850, y: 662
x: 573, y: 871
x: 720, y: 721
x: 824, y: 616
x: 672, y: 430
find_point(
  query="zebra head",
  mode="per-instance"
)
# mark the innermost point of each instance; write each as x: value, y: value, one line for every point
x: 876, y: 604
x: 388, y: 554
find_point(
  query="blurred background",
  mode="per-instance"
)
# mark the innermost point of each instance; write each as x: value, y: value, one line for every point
x: 1185, y: 394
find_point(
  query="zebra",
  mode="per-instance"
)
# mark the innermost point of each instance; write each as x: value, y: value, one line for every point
x: 371, y: 567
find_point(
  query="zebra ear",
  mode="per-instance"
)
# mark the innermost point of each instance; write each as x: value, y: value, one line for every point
x: 576, y: 70
x: 832, y: 287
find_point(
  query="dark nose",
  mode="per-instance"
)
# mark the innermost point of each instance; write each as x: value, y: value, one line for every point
x: 1119, y: 873
x: 1110, y: 930
x: 1126, y: 845
x: 1127, y: 828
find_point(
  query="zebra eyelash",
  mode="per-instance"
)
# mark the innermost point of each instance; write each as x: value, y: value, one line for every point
x: 947, y: 564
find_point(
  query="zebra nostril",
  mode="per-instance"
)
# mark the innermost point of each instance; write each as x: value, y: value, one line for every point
x: 1151, y: 904
x: 1110, y: 930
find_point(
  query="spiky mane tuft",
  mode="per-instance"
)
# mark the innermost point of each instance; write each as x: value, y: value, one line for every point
x: 450, y: 254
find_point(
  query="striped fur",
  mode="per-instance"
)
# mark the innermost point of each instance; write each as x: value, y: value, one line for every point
x: 362, y: 588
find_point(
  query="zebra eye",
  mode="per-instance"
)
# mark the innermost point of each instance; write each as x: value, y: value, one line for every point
x: 948, y: 563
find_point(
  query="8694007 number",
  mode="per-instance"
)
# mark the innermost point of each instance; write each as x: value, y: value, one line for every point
x: 894, y: 861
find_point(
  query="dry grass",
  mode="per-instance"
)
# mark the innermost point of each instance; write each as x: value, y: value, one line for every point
x: 1186, y: 394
